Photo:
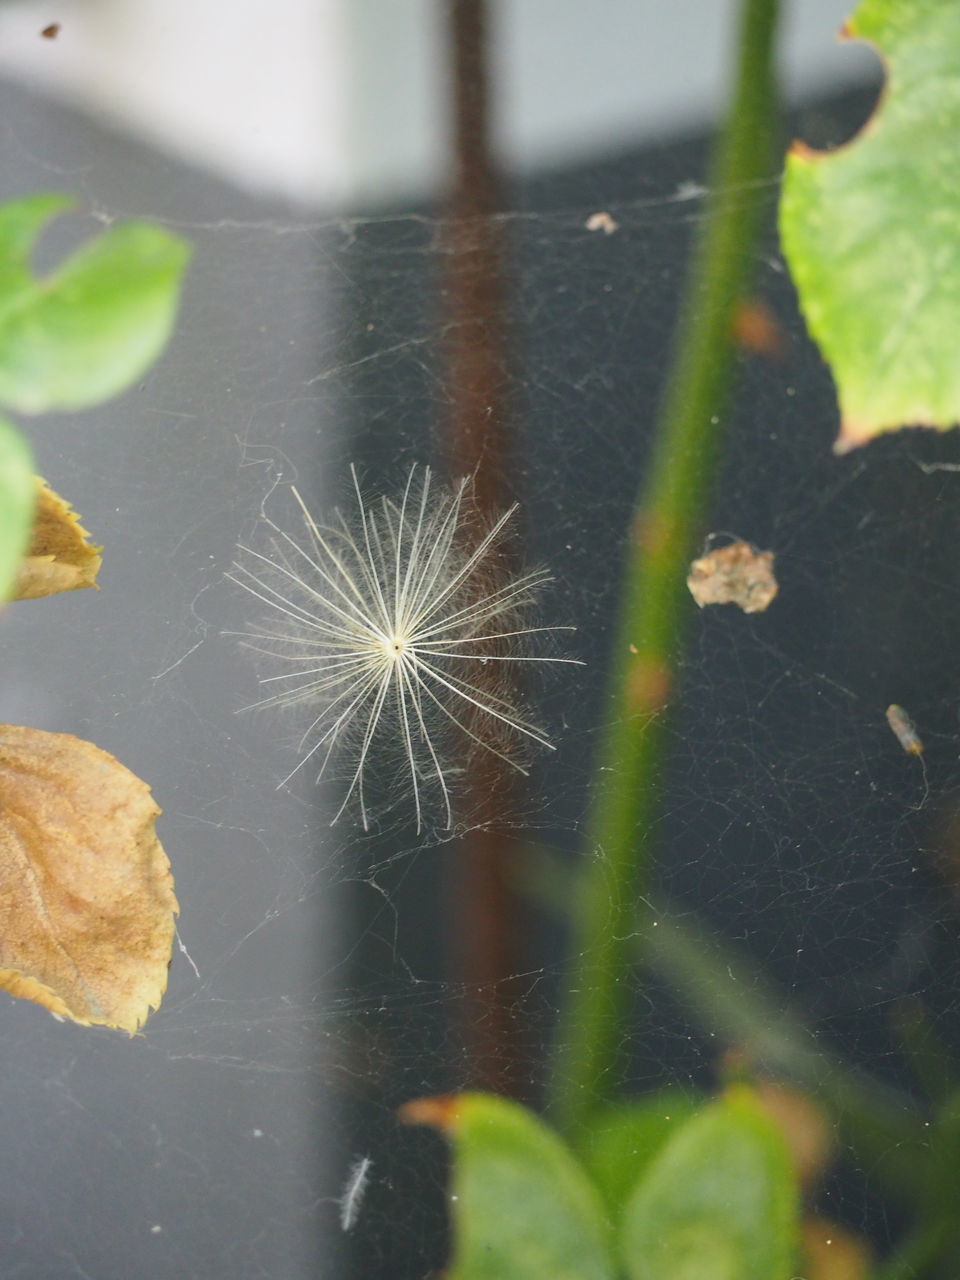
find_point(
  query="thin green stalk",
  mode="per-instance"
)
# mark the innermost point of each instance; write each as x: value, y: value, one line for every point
x: 728, y: 996
x: 923, y: 1049
x: 668, y: 524
x: 887, y: 1131
x: 916, y: 1255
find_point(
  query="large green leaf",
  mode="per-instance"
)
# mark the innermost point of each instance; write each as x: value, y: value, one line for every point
x: 523, y: 1209
x: 17, y: 496
x: 871, y: 231
x: 717, y: 1203
x: 91, y: 327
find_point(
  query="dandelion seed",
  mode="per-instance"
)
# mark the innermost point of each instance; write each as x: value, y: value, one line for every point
x: 384, y: 623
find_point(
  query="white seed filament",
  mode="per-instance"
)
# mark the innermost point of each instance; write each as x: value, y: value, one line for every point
x: 383, y: 623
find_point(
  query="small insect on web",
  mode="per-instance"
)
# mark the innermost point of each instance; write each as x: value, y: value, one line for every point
x: 387, y: 625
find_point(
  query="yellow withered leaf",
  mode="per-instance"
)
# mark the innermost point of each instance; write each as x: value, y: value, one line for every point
x: 86, y: 894
x: 59, y: 557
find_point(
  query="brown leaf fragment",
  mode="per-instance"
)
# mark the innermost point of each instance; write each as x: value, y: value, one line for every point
x: 735, y: 574
x: 831, y: 1252
x: 86, y: 894
x: 59, y: 557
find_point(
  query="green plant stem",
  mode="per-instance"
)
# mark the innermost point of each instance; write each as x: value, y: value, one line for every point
x: 667, y: 526
x: 918, y: 1252
x: 728, y: 996
x: 923, y: 1049
x: 888, y: 1132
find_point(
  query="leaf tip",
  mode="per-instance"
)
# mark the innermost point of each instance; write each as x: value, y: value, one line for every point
x: 441, y: 1111
x: 854, y: 432
x: 800, y: 152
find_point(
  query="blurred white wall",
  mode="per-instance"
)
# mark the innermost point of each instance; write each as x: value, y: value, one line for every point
x: 333, y: 101
x: 250, y: 89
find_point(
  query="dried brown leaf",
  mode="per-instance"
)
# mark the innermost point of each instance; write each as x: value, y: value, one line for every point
x: 86, y: 892
x: 59, y: 557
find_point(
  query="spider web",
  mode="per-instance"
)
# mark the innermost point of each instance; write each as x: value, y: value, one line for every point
x: 311, y: 997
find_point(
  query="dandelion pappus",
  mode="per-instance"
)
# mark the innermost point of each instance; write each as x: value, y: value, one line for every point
x: 384, y: 622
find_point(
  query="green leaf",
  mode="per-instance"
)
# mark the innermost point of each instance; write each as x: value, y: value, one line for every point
x: 621, y: 1141
x: 17, y: 497
x: 718, y: 1203
x: 871, y: 231
x: 89, y: 329
x: 523, y: 1209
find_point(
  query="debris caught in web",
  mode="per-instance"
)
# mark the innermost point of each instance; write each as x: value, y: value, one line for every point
x: 602, y: 221
x: 734, y: 574
x: 904, y: 730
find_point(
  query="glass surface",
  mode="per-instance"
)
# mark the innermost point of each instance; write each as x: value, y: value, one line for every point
x: 323, y: 973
